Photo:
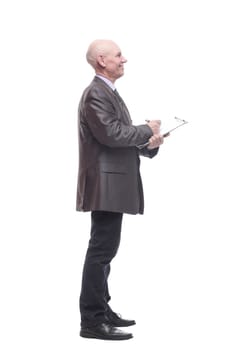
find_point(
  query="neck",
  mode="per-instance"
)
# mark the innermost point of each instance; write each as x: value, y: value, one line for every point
x: 103, y: 74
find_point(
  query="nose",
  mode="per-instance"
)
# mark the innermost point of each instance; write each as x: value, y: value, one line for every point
x: 123, y: 59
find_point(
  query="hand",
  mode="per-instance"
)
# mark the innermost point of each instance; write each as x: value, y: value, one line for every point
x: 154, y: 125
x: 155, y: 141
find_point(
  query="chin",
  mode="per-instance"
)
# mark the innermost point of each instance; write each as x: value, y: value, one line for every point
x: 120, y: 75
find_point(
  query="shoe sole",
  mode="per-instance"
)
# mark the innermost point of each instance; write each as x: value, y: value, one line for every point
x: 115, y: 324
x: 91, y: 335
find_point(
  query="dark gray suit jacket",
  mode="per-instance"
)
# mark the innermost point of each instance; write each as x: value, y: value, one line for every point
x: 109, y: 177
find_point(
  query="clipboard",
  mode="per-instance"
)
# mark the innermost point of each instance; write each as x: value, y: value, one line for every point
x: 169, y: 126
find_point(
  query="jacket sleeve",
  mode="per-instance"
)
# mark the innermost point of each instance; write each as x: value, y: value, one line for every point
x: 107, y: 126
x: 150, y: 153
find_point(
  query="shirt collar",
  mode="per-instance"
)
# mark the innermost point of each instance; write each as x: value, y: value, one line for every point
x: 107, y: 81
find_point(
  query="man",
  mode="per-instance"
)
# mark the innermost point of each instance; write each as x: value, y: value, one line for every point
x: 109, y: 183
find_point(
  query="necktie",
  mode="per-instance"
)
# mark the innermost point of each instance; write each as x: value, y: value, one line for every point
x: 118, y: 95
x: 123, y: 105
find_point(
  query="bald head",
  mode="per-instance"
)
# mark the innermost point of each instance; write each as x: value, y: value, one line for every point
x: 106, y: 59
x: 98, y: 48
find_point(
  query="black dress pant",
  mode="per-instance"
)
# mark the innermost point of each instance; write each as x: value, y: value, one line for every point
x: 103, y: 246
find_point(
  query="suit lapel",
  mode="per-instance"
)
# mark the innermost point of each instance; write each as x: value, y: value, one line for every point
x: 118, y: 98
x: 123, y: 106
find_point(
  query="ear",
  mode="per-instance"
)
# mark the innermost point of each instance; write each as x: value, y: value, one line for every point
x: 100, y: 60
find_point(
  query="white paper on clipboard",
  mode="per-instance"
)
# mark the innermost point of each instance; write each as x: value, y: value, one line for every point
x: 169, y: 125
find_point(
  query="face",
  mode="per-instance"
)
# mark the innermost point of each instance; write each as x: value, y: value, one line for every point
x: 113, y: 62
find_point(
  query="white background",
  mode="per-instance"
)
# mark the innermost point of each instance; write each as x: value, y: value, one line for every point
x: 173, y: 273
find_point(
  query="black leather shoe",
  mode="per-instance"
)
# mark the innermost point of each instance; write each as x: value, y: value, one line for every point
x: 104, y: 331
x: 116, y: 320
